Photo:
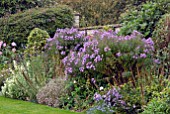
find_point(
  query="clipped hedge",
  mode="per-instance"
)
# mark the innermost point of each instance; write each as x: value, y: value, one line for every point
x: 18, y: 26
x: 14, y: 6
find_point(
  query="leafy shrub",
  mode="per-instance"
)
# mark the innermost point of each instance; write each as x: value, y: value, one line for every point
x: 79, y: 96
x: 157, y: 106
x: 110, y: 55
x: 28, y: 77
x: 36, y: 41
x: 160, y: 103
x: 66, y: 40
x: 50, y: 94
x: 14, y: 6
x: 18, y: 26
x: 101, y: 12
x: 144, y: 18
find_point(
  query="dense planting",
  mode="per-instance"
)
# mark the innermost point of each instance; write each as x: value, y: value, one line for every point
x: 107, y: 72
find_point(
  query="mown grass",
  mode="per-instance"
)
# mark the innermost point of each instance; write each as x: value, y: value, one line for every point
x: 11, y: 106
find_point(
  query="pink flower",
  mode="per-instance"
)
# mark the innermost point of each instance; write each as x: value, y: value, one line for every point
x: 0, y: 53
x: 4, y: 45
x: 13, y: 44
x: 13, y: 50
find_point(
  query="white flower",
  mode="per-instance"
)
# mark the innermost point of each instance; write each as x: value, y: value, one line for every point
x: 101, y: 88
x: 74, y: 81
x: 13, y: 44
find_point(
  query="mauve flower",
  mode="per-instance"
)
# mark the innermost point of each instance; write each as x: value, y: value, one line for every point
x: 118, y: 54
x: 157, y: 61
x: 81, y: 69
x: 0, y: 52
x: 142, y: 55
x: 13, y: 44
x: 97, y: 97
x: 63, y: 52
x: 106, y: 49
x: 93, y: 80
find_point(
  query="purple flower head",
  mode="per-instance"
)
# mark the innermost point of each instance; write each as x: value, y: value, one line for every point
x: 118, y: 54
x: 157, y: 61
x: 142, y: 55
x: 106, y: 49
x: 93, y: 80
x: 69, y: 70
x: 97, y: 97
x: 81, y: 69
x: 98, y: 59
x: 63, y: 53
x: 50, y: 39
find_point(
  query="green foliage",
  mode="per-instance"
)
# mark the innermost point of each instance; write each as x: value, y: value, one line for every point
x: 95, y: 12
x: 14, y: 6
x: 24, y: 81
x: 80, y: 94
x: 18, y: 26
x: 50, y: 94
x: 161, y: 34
x: 143, y: 18
x: 157, y: 106
x: 36, y: 41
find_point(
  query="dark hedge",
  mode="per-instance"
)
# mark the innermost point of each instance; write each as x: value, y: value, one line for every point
x: 18, y: 26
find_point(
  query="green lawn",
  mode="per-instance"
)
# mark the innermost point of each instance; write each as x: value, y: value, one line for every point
x: 11, y: 106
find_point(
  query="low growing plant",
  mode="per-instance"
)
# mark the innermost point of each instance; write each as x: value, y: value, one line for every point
x: 50, y: 94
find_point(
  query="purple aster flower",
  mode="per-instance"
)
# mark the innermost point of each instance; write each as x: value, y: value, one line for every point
x: 81, y: 69
x: 93, y: 80
x: 118, y: 54
x: 63, y: 52
x: 97, y: 97
x: 142, y: 55
x: 157, y: 61
x: 98, y: 59
x: 106, y: 49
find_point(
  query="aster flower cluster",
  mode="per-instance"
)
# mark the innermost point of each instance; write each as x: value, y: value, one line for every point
x: 111, y: 98
x: 65, y: 40
x: 105, y: 47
